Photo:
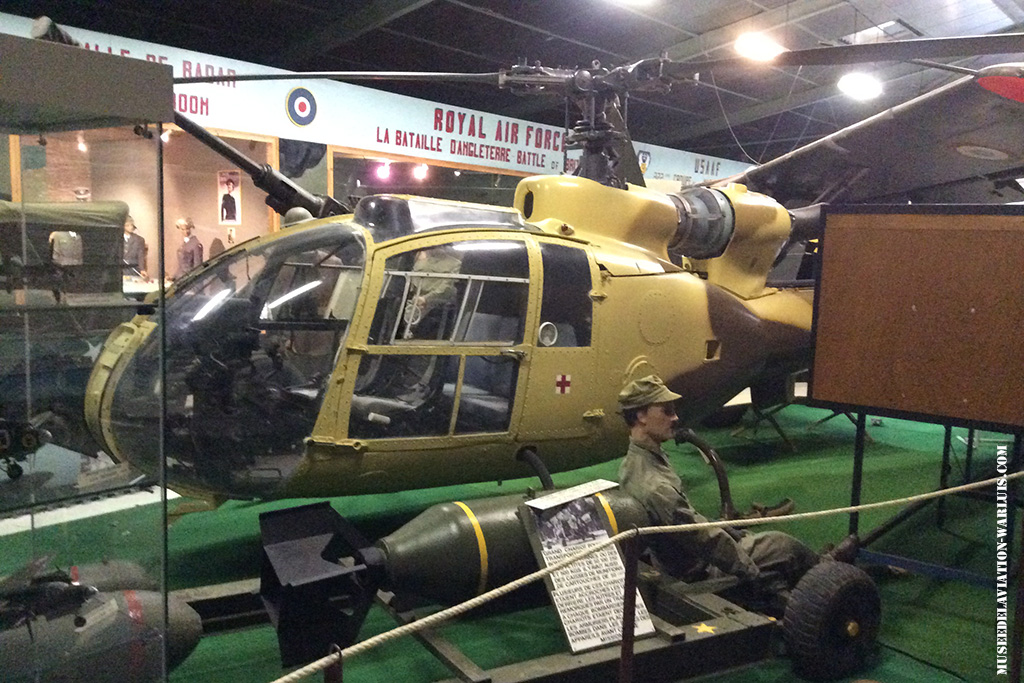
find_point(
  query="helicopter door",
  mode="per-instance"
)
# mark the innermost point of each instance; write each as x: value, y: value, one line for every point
x: 445, y: 347
x: 562, y: 398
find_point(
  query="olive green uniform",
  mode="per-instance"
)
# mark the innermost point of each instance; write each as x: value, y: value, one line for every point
x: 695, y: 555
x: 435, y: 291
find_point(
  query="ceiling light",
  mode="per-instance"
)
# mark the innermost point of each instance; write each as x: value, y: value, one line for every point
x: 457, y: 173
x: 82, y: 147
x: 420, y: 172
x: 860, y: 86
x: 166, y: 136
x: 384, y: 170
x: 758, y: 46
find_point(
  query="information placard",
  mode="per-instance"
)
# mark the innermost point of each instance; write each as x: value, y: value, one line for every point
x: 588, y: 594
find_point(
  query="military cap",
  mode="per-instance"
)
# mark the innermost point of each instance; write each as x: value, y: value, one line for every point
x: 645, y: 391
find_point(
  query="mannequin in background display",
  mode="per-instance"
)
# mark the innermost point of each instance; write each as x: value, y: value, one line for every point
x: 134, y: 250
x: 190, y: 253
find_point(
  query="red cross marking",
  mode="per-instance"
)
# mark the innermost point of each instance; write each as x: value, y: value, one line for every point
x: 563, y: 384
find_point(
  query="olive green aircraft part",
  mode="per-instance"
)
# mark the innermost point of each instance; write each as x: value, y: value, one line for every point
x: 453, y: 551
x: 113, y: 637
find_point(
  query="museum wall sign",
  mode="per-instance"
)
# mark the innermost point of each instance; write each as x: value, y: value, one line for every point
x: 361, y: 118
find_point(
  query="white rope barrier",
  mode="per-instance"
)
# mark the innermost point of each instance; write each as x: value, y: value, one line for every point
x: 439, y: 617
x: 649, y: 531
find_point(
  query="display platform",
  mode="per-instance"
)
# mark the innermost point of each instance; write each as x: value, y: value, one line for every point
x: 921, y: 617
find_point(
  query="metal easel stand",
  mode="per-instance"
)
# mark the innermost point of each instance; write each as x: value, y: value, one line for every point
x: 940, y: 571
x: 768, y: 416
x: 917, y: 566
x: 836, y: 413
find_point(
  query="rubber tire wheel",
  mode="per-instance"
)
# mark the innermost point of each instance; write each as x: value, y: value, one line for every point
x: 831, y: 621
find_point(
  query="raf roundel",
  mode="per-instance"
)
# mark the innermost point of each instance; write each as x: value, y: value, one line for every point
x: 301, y: 106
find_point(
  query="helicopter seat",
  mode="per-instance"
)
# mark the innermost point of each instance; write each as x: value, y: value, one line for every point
x: 487, y: 388
x: 485, y: 407
x: 489, y: 327
x: 566, y: 335
x: 405, y: 387
x: 380, y: 408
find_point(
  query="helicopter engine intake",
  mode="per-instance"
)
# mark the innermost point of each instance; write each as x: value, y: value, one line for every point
x: 706, y: 223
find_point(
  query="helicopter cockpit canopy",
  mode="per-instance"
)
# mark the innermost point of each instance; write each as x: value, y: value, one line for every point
x: 251, y: 342
x: 390, y: 216
x: 252, y: 338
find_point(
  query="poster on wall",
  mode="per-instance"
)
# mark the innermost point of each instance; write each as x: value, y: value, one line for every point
x: 229, y: 189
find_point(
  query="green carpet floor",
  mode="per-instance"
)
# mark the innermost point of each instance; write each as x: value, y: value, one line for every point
x: 932, y: 631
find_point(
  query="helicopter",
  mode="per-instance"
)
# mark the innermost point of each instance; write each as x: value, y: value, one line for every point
x: 411, y: 342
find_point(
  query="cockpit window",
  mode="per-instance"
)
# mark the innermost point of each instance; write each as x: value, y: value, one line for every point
x: 389, y: 216
x: 566, y: 309
x: 251, y: 343
x: 467, y: 292
x: 464, y: 303
x: 314, y: 286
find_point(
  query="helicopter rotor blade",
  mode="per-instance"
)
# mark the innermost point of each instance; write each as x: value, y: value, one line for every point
x: 657, y: 72
x: 608, y: 152
x: 835, y: 55
x: 492, y: 78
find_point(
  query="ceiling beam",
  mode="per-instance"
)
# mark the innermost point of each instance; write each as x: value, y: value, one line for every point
x: 792, y: 12
x: 756, y: 112
x: 536, y: 29
x: 349, y: 26
x: 773, y: 108
x: 1012, y: 9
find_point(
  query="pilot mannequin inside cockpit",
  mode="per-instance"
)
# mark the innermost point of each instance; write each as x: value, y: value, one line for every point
x: 431, y: 298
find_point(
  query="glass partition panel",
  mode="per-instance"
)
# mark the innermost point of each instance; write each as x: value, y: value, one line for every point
x: 65, y: 286
x: 83, y: 531
x: 209, y: 205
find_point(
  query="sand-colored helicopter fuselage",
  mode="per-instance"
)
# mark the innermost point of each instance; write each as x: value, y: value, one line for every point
x: 420, y: 342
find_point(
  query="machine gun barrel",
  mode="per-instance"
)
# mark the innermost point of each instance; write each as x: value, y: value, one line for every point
x: 282, y: 192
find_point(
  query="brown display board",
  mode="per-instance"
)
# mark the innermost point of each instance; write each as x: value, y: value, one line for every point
x: 919, y: 311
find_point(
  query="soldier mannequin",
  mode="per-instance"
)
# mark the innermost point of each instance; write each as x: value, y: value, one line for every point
x: 646, y: 474
x: 190, y: 253
x: 134, y: 250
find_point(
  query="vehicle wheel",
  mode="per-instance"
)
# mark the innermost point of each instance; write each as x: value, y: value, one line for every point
x: 68, y: 432
x: 14, y: 470
x: 831, y: 621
